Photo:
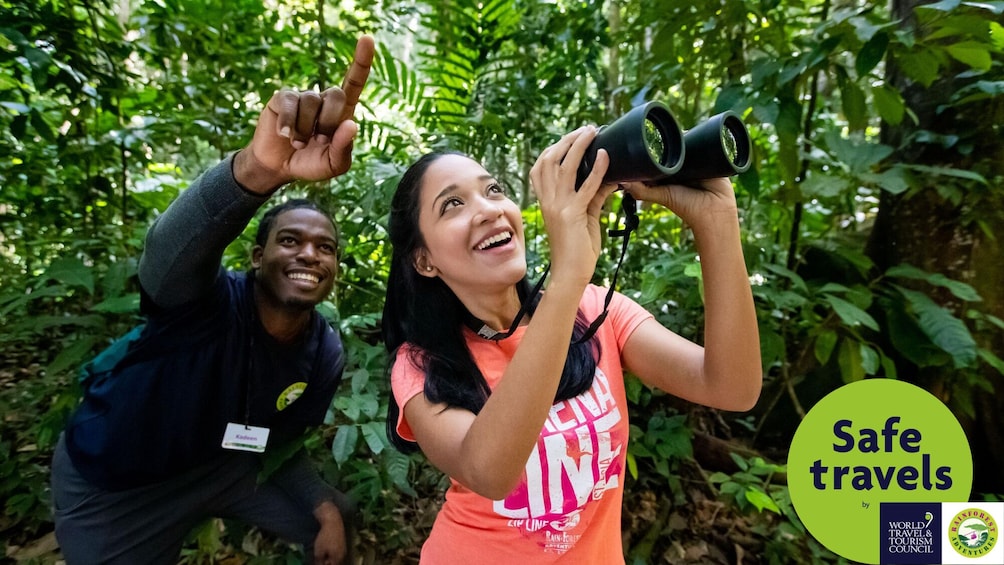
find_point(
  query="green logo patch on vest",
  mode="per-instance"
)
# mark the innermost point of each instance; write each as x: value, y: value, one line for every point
x: 289, y: 395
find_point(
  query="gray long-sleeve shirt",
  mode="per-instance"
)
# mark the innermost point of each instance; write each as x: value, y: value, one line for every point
x: 185, y: 244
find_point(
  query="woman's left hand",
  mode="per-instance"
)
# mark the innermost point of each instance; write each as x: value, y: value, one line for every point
x: 695, y: 205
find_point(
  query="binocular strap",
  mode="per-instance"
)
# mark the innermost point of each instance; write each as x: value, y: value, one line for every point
x: 630, y: 208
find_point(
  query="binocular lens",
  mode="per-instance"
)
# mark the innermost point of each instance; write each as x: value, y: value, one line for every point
x: 654, y: 144
x: 729, y: 145
x: 718, y: 147
x: 646, y: 143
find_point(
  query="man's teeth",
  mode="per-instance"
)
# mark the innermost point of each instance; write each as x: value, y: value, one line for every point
x: 304, y: 277
x: 504, y: 236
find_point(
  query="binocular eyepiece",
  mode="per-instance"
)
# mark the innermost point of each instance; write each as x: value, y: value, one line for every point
x: 646, y: 144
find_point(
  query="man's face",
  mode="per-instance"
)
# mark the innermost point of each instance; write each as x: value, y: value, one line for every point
x: 298, y: 264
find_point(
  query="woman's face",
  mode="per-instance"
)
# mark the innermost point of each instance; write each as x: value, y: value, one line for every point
x: 473, y: 232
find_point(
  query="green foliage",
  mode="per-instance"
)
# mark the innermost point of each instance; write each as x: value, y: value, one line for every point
x: 361, y: 459
x: 105, y: 117
x: 50, y: 324
x: 750, y: 488
x: 661, y: 445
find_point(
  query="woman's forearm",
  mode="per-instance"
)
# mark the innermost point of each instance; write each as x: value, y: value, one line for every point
x: 732, y: 362
x: 503, y: 434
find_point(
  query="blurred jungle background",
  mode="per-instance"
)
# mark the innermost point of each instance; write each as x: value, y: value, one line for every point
x: 872, y: 219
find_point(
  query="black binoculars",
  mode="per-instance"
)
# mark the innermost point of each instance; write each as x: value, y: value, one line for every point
x: 646, y: 144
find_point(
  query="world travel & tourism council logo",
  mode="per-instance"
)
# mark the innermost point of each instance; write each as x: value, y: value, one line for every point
x: 910, y: 533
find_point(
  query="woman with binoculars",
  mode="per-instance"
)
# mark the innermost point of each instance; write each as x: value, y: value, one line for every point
x: 502, y: 386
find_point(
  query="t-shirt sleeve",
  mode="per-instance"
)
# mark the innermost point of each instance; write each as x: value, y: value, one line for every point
x: 406, y: 382
x: 625, y: 315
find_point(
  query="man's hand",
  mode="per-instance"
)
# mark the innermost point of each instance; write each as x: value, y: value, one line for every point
x: 305, y: 135
x: 330, y: 545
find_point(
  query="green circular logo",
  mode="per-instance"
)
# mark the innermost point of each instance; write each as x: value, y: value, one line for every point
x: 869, y: 442
x: 289, y: 395
x: 972, y: 532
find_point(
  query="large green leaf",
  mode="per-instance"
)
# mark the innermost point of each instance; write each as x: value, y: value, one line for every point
x: 851, y: 314
x: 375, y: 436
x: 942, y: 6
x: 822, y: 185
x: 949, y: 172
x: 854, y: 106
x: 907, y: 337
x: 760, y: 500
x: 958, y: 289
x: 889, y: 104
x: 922, y: 67
x: 857, y: 156
x: 971, y: 53
x: 871, y: 54
x: 942, y: 328
x: 344, y: 444
x: 893, y: 180
x: 397, y: 465
x: 70, y: 271
x: 72, y: 356
x: 849, y: 358
x: 119, y: 304
x: 870, y: 361
x: 823, y: 346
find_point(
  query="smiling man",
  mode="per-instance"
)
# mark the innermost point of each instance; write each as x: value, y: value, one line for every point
x: 228, y: 366
x: 294, y: 257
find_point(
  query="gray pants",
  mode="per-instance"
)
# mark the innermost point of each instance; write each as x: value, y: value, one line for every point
x: 148, y: 525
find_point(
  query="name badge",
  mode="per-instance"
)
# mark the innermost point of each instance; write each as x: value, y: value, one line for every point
x: 245, y: 438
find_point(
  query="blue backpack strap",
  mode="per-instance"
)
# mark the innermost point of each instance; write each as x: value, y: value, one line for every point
x: 110, y: 357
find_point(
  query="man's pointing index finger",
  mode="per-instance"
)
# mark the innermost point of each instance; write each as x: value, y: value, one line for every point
x: 355, y: 78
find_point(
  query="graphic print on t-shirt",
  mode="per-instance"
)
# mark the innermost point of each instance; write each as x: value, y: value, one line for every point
x: 575, y: 460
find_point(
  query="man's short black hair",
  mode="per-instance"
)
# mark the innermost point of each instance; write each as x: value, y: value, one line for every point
x: 268, y: 220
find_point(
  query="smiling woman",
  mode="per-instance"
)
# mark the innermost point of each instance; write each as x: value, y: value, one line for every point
x: 473, y: 236
x: 531, y: 424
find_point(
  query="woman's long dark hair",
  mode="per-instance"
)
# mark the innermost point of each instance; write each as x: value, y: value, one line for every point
x: 424, y: 312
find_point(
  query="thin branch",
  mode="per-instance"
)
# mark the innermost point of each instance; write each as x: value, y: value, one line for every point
x: 810, y: 112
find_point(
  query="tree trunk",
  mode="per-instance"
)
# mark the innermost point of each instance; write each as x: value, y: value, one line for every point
x: 924, y: 229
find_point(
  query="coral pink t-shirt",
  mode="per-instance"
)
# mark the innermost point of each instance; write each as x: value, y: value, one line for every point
x: 567, y: 507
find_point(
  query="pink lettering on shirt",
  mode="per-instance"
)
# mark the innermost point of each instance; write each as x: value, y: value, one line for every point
x: 575, y: 461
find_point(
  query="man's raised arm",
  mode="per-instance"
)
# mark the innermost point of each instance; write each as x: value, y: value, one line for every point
x: 300, y: 136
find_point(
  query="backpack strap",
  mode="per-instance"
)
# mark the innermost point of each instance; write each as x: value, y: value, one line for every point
x: 110, y: 357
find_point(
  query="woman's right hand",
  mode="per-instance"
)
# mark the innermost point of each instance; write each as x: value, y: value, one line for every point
x: 571, y: 217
